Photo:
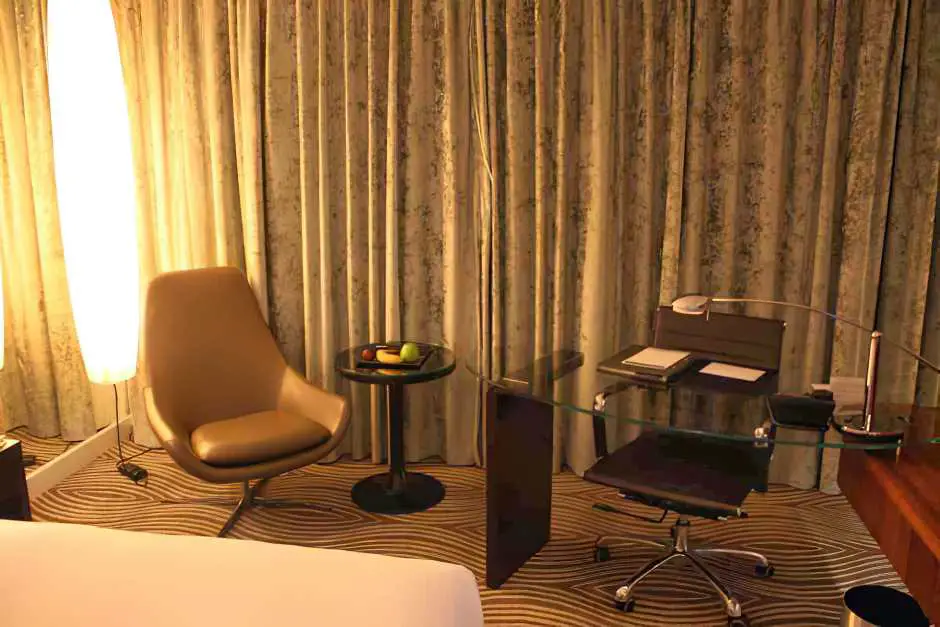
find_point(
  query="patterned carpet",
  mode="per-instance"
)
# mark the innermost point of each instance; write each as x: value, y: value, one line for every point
x: 818, y: 544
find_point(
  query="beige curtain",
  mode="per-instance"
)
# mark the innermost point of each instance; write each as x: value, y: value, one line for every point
x: 325, y: 148
x: 370, y: 205
x: 43, y: 382
x: 643, y: 150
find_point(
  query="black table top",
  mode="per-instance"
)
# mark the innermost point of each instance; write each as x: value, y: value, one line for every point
x: 440, y: 363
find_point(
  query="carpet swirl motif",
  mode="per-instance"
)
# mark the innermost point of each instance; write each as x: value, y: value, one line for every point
x: 818, y: 544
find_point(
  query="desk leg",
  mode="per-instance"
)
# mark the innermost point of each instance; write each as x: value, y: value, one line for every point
x: 519, y: 437
x: 397, y: 491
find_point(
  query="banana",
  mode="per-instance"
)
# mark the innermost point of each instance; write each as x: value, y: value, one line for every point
x: 386, y: 356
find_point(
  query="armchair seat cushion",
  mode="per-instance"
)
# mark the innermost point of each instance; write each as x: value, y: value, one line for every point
x: 255, y: 438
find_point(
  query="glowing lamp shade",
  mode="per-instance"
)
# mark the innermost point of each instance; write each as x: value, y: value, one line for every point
x: 95, y: 184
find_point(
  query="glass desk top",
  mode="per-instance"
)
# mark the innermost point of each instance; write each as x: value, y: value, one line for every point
x: 695, y: 402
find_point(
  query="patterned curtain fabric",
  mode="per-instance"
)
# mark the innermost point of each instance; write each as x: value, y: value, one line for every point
x: 370, y: 206
x: 646, y: 150
x: 43, y: 382
x: 325, y: 148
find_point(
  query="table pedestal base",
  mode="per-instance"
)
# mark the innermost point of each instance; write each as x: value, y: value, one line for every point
x: 416, y: 492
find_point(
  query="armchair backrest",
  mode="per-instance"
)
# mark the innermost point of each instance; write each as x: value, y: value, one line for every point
x: 207, y: 352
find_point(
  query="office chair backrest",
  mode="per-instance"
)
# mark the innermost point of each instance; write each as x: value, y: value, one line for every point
x: 207, y: 352
x: 730, y: 338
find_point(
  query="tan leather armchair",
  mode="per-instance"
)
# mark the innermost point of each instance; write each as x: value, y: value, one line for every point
x: 220, y: 397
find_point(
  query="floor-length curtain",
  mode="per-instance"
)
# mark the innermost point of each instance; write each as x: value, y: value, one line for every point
x: 325, y: 148
x: 370, y: 206
x: 43, y: 383
x: 577, y: 94
x: 645, y: 150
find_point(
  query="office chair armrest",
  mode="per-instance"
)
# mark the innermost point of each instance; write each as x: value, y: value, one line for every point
x: 303, y: 398
x: 600, y: 425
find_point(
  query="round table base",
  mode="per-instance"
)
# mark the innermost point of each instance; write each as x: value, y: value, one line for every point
x: 421, y: 491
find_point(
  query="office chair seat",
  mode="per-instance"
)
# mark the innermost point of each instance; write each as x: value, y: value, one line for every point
x: 695, y: 474
x: 692, y: 475
x: 684, y: 473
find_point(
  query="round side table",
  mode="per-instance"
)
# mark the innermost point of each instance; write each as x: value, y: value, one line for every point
x: 396, y: 491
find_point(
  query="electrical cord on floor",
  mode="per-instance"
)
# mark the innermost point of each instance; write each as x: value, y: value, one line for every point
x: 149, y: 449
x: 133, y: 472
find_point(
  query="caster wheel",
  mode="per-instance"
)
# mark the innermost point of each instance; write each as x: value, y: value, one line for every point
x: 601, y: 554
x: 739, y: 621
x: 764, y: 571
x: 625, y: 606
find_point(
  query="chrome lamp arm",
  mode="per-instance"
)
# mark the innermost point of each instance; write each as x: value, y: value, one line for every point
x: 857, y: 325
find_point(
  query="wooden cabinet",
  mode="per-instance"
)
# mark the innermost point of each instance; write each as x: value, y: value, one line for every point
x: 897, y: 497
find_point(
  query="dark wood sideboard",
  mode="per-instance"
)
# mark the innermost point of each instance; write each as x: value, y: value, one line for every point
x: 14, y: 498
x: 897, y: 496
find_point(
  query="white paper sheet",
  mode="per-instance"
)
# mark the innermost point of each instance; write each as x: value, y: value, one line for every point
x: 718, y: 369
x: 655, y: 358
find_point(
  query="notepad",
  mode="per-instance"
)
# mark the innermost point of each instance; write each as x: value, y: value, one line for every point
x: 655, y: 358
x: 718, y: 369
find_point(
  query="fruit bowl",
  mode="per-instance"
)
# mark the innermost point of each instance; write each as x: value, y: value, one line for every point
x: 388, y: 355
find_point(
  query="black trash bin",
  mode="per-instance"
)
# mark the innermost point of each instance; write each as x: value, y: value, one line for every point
x: 880, y: 606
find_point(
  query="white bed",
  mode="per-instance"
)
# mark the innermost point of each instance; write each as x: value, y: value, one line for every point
x: 57, y: 574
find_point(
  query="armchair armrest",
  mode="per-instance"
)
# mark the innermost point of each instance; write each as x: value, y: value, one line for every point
x: 174, y: 438
x: 303, y: 398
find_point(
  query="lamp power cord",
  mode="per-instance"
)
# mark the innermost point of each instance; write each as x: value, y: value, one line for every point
x: 134, y: 472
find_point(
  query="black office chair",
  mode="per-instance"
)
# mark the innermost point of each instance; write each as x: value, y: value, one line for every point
x: 695, y: 475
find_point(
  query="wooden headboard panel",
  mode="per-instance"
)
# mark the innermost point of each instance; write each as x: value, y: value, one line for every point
x: 730, y: 338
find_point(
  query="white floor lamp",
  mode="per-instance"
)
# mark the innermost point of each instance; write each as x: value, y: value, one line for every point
x: 96, y: 186
x: 696, y: 304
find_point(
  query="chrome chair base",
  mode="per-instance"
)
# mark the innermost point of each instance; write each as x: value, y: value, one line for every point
x: 678, y: 548
x: 248, y: 500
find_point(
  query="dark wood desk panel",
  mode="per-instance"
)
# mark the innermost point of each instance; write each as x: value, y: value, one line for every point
x: 519, y: 439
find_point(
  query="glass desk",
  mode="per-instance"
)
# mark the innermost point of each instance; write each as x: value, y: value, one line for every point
x: 521, y: 405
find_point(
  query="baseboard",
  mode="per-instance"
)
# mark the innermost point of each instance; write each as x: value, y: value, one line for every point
x: 77, y: 457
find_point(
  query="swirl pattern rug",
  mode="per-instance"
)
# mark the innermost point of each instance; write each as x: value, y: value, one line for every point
x: 818, y: 544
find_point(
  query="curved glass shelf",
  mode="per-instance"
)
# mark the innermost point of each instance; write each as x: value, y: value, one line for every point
x: 697, y: 403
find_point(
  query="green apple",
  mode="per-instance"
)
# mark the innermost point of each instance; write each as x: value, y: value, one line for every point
x: 409, y: 352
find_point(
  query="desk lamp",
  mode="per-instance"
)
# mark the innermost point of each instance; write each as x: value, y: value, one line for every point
x: 696, y: 304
